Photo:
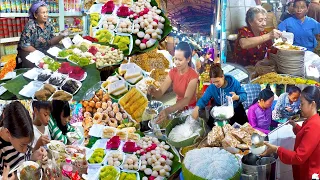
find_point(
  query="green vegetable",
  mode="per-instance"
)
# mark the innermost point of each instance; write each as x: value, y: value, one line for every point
x: 63, y: 53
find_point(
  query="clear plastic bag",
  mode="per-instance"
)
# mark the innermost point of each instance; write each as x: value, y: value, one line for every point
x: 223, y: 112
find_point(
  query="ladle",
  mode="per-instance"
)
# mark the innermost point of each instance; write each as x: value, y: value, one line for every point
x: 257, y: 140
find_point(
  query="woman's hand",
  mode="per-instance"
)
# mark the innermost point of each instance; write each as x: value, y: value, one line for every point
x: 270, y: 149
x: 5, y: 174
x: 162, y: 116
x: 195, y: 113
x: 292, y: 123
x: 234, y: 96
x: 152, y: 90
x: 275, y: 34
x: 44, y: 139
x: 64, y: 33
x: 39, y: 155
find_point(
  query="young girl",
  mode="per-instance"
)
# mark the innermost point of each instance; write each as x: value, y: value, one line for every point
x: 260, y: 114
x: 41, y: 116
x: 59, y: 121
x: 16, y: 134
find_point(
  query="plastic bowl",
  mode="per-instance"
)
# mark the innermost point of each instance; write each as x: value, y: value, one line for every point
x: 25, y: 164
x: 258, y: 150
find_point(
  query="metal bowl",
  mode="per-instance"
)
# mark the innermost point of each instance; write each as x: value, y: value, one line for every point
x: 170, y: 116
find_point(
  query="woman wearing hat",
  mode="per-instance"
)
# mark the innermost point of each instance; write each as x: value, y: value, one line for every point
x: 38, y: 34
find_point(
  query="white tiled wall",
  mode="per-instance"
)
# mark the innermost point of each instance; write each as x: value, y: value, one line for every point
x: 236, y: 13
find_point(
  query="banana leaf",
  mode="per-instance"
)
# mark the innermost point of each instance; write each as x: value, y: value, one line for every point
x: 15, y: 85
x: 93, y: 77
x: 7, y: 96
x: 166, y: 31
x: 187, y: 142
x: 187, y: 175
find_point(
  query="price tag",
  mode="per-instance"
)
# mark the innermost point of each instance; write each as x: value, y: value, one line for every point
x: 67, y: 42
x: 77, y: 39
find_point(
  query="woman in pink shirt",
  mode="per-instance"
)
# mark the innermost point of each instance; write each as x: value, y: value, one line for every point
x: 260, y: 113
x: 184, y: 80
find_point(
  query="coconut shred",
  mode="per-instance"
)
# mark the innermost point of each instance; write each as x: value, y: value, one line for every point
x: 184, y: 131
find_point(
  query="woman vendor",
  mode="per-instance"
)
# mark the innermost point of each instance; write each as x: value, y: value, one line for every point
x: 16, y: 136
x: 59, y: 121
x: 38, y: 34
x: 184, y: 80
x: 305, y: 158
x: 253, y: 41
x: 222, y: 86
x: 260, y: 114
x: 303, y: 27
x: 288, y: 104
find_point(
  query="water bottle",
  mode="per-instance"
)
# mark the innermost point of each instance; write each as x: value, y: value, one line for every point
x: 67, y: 169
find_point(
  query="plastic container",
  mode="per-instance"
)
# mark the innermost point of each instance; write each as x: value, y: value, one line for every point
x: 67, y: 169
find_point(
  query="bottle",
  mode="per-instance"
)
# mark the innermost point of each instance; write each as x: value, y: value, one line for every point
x: 8, y: 6
x: 13, y: 6
x: 67, y: 169
x: 18, y: 6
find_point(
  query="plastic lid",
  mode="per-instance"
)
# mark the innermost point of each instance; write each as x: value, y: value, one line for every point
x: 68, y: 160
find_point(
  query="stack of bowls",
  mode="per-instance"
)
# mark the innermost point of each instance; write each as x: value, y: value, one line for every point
x: 290, y: 62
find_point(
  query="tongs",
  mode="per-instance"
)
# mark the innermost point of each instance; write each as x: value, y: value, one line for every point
x: 296, y: 118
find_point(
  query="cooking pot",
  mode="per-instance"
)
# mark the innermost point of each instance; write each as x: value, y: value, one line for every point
x: 259, y: 168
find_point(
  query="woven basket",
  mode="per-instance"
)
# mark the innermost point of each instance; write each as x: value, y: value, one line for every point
x: 265, y: 66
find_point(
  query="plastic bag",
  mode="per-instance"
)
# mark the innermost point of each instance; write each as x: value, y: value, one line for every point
x: 223, y: 112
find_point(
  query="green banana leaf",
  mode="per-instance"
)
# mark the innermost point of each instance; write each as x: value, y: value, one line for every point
x: 187, y: 142
x: 93, y: 77
x: 7, y: 96
x: 166, y: 31
x: 15, y: 85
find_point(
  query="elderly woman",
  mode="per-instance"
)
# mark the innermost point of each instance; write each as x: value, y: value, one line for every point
x: 303, y: 27
x: 253, y: 41
x: 38, y: 34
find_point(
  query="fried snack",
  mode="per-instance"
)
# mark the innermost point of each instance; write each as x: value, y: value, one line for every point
x: 240, y: 134
x: 40, y: 95
x: 215, y: 136
x: 243, y: 146
x: 151, y: 60
x: 249, y: 129
x: 135, y: 105
x: 50, y: 88
x: 230, y: 141
x: 159, y: 75
x: 274, y: 78
x: 227, y: 128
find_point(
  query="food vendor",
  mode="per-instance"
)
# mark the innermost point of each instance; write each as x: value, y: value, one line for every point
x: 303, y: 27
x: 305, y: 158
x: 16, y: 134
x: 184, y: 80
x: 41, y: 116
x: 222, y: 86
x: 253, y: 41
x: 38, y: 34
x: 260, y: 113
x: 59, y: 121
x: 288, y: 104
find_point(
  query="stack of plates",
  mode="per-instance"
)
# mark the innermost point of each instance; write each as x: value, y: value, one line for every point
x: 292, y: 64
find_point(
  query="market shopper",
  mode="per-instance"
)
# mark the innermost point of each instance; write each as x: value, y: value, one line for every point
x: 38, y: 34
x: 208, y: 60
x: 222, y: 86
x: 16, y: 135
x: 184, y: 80
x: 288, y: 13
x: 260, y: 113
x: 303, y: 27
x: 41, y: 117
x: 253, y: 41
x: 288, y: 104
x: 305, y: 158
x: 314, y: 10
x: 59, y: 121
